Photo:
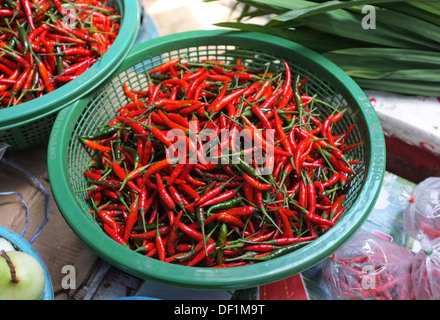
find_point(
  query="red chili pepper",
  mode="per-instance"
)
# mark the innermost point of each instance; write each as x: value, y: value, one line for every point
x: 261, y: 115
x: 170, y: 123
x: 50, y: 57
x: 318, y: 219
x: 13, y: 76
x: 28, y: 10
x: 351, y: 147
x: 44, y: 74
x: 331, y: 181
x: 263, y: 247
x: 220, y: 198
x: 230, y: 219
x: 179, y: 82
x: 337, y: 205
x: 6, y: 70
x: 219, y: 77
x: 175, y: 173
x: 150, y: 234
x: 231, y: 264
x: 287, y: 231
x: 240, y: 211
x: 107, y: 219
x: 172, y: 241
x: 165, y: 66
x: 337, y: 214
x: 120, y: 172
x: 300, y: 150
x: 163, y: 193
x: 265, y: 85
x: 94, y: 145
x: 269, y: 101
x: 178, y: 198
x: 20, y: 81
x: 79, y: 51
x: 189, y: 190
x: 113, y: 234
x: 302, y: 201
x: 209, y: 195
x: 155, y: 168
x: 280, y: 131
x: 210, y: 247
x: 311, y: 198
x: 288, y: 81
x: 190, y: 76
x: 255, y: 183
x: 77, y: 33
x: 192, y: 233
x: 7, y: 81
x: 137, y: 127
x: 131, y: 220
x: 216, y: 106
x: 258, y: 139
x: 160, y: 246
x: 195, y: 84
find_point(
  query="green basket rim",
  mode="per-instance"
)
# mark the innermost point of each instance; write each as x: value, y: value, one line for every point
x: 206, y: 278
x: 65, y: 95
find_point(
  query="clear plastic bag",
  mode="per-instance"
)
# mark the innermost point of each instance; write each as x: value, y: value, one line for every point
x: 369, y: 267
x: 425, y: 273
x: 3, y: 147
x: 421, y: 218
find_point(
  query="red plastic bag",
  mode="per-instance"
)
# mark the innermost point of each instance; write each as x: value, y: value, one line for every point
x: 425, y: 273
x: 421, y: 218
x: 369, y: 267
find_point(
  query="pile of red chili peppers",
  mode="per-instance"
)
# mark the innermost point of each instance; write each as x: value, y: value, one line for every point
x: 215, y: 214
x: 47, y: 43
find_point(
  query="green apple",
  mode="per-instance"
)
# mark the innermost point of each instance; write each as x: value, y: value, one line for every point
x: 21, y: 276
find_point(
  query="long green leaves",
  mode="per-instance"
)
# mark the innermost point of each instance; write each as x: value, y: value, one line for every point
x: 320, y: 8
x: 388, y: 44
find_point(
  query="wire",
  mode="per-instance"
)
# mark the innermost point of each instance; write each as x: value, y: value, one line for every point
x: 3, y: 147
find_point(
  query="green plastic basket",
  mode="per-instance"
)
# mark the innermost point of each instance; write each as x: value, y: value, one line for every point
x: 67, y: 158
x: 30, y: 123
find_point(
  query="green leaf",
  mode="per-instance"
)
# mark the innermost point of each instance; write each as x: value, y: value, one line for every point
x: 410, y: 9
x: 309, y: 38
x: 411, y: 27
x: 349, y: 25
x: 402, y: 54
x: 326, y: 7
x: 414, y: 88
x: 388, y: 58
x: 272, y: 6
x: 432, y: 75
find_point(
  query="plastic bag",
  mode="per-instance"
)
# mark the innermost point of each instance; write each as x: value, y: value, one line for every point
x: 425, y: 273
x: 3, y: 147
x: 421, y: 218
x: 369, y: 267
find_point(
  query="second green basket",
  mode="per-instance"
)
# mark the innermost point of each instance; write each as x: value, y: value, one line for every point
x: 30, y: 123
